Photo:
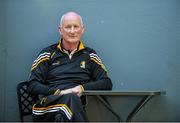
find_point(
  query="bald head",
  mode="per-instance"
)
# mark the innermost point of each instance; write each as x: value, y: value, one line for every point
x: 69, y: 15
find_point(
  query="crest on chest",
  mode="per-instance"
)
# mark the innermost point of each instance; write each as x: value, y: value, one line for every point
x: 83, y: 64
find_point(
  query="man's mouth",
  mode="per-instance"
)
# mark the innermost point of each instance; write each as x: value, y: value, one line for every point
x: 72, y: 36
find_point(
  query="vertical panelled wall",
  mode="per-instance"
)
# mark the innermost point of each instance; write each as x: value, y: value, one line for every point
x: 2, y: 58
x: 138, y: 41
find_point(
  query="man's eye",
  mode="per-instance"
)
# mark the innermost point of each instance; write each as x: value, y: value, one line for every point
x: 76, y: 26
x: 68, y: 27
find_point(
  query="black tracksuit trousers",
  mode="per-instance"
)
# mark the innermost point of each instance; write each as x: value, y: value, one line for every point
x: 59, y: 108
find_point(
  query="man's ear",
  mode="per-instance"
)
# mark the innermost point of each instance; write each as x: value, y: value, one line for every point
x: 59, y: 29
x: 83, y: 30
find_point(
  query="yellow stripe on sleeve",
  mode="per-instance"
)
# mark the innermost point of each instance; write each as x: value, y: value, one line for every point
x: 35, y: 65
x: 102, y: 66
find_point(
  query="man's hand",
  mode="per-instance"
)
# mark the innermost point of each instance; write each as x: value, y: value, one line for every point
x: 67, y: 91
x: 78, y: 90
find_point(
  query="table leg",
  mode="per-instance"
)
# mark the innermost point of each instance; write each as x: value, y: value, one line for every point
x: 138, y: 107
x: 108, y: 106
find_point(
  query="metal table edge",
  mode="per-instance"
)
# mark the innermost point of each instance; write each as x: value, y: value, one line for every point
x: 125, y: 93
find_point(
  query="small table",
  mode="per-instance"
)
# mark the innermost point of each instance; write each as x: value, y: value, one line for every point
x: 146, y: 96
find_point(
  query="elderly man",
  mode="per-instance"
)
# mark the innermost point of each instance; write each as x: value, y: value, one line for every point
x: 63, y: 71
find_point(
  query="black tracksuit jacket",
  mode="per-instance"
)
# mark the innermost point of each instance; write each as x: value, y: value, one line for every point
x: 55, y: 69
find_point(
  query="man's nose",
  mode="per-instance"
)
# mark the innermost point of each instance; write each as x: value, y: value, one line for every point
x: 72, y: 30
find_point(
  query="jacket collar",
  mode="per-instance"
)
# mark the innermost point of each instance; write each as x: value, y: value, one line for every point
x: 80, y: 46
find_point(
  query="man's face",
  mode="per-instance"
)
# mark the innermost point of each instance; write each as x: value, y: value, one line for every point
x: 71, y: 29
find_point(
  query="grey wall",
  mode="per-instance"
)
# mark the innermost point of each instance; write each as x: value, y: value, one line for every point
x: 138, y: 40
x: 2, y: 57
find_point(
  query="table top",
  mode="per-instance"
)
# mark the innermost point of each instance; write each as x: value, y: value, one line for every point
x: 124, y: 92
